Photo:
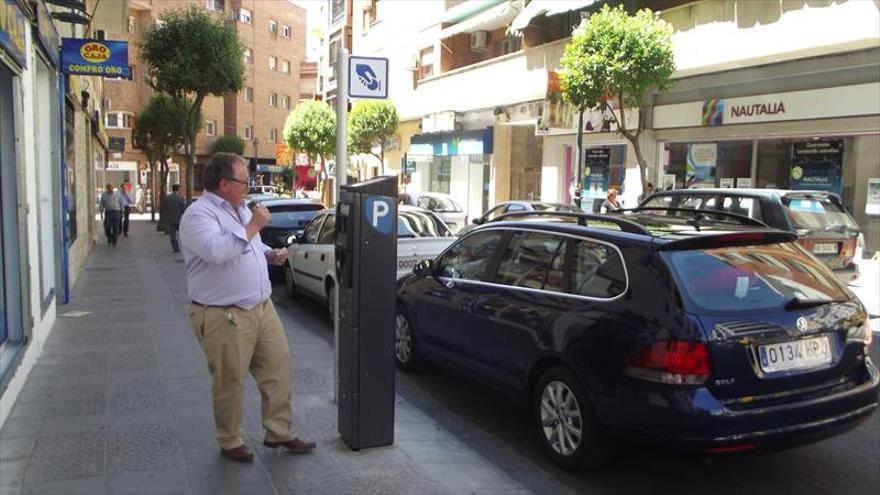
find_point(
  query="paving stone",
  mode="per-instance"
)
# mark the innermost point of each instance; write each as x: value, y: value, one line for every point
x: 144, y: 448
x: 89, y: 363
x: 139, y: 394
x: 129, y: 360
x: 18, y: 428
x: 154, y: 482
x: 60, y: 457
x: 77, y: 401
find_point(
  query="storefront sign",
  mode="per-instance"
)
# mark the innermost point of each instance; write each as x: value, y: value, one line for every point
x: 275, y: 169
x: 844, y: 101
x: 95, y: 57
x: 872, y: 205
x: 597, y: 162
x: 743, y: 182
x: 817, y: 165
x: 282, y: 154
x: 116, y: 165
x: 727, y: 183
x: 13, y: 26
x: 701, y: 160
x: 476, y: 142
x: 116, y: 144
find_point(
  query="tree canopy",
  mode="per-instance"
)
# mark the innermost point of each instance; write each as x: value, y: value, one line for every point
x: 370, y: 124
x: 157, y: 133
x: 191, y: 53
x: 617, y: 56
x: 228, y: 144
x: 311, y: 128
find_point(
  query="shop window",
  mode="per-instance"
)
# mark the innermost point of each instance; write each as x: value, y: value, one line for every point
x: 440, y: 173
x: 70, y: 162
x: 704, y: 164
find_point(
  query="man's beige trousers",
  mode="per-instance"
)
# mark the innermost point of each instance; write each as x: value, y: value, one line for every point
x: 236, y: 341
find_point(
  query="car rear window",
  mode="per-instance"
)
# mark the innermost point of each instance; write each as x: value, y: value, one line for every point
x: 749, y: 278
x: 420, y: 224
x: 284, y: 215
x: 435, y: 203
x: 814, y: 213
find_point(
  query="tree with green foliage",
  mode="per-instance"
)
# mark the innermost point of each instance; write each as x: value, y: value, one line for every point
x: 614, y: 55
x: 193, y: 54
x: 370, y: 124
x: 311, y: 129
x: 228, y: 144
x: 157, y: 134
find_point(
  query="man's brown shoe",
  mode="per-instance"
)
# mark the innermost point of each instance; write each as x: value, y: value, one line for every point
x: 238, y: 454
x: 296, y: 445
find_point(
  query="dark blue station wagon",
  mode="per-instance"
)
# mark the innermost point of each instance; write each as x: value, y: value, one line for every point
x: 708, y: 335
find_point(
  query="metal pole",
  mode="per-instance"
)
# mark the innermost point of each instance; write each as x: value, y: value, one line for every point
x: 579, y: 184
x: 341, y: 177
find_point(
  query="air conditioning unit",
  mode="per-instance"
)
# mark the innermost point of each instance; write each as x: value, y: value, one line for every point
x: 479, y: 41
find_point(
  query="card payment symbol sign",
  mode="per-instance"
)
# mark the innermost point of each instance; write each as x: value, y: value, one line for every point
x: 367, y: 76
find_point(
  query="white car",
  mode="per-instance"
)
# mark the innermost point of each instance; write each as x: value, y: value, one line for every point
x: 311, y: 263
x: 442, y: 204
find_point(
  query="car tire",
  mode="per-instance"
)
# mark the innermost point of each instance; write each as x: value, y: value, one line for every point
x: 290, y: 282
x: 331, y: 297
x: 406, y: 355
x: 565, y: 422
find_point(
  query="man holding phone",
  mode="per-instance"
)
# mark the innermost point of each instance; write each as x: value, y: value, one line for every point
x: 231, y: 312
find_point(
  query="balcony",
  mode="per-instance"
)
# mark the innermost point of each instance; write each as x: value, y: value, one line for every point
x: 512, y: 78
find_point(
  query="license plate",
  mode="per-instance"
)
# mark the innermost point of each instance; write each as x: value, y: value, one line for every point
x: 795, y: 354
x: 825, y: 248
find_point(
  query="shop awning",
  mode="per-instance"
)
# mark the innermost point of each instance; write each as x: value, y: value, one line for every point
x: 467, y: 9
x: 537, y: 8
x: 487, y: 20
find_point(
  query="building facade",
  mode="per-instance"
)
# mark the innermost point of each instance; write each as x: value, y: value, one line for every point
x: 273, y: 33
x: 51, y: 137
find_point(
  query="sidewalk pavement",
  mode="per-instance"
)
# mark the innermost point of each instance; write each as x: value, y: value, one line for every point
x: 119, y: 402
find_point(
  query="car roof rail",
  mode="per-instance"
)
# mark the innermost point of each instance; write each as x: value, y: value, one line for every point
x: 624, y: 224
x: 699, y: 215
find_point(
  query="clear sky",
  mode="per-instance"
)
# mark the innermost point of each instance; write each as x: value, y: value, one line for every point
x: 313, y: 25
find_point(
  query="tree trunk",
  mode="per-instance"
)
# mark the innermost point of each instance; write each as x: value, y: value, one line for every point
x: 153, y: 190
x: 382, y: 157
x: 190, y: 143
x: 162, y: 188
x: 633, y: 137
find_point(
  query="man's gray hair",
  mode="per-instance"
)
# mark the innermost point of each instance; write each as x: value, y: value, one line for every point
x: 220, y: 166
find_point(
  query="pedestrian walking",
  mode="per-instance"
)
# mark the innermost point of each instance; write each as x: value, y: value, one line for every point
x: 172, y: 207
x: 231, y: 313
x: 649, y: 190
x: 127, y: 196
x: 611, y: 204
x: 111, y: 212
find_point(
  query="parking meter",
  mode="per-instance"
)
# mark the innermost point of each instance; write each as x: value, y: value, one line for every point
x: 366, y: 268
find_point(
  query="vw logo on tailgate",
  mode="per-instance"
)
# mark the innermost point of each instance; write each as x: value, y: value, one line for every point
x: 802, y: 324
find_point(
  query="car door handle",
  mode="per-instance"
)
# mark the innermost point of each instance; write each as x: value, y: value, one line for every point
x: 322, y: 257
x: 306, y: 256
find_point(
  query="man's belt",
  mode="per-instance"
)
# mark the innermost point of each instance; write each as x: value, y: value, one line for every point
x: 212, y: 305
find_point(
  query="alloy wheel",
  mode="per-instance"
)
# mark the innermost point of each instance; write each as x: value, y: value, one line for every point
x: 561, y: 418
x: 402, y: 340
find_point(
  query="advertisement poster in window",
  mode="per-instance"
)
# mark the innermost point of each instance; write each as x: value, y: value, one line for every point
x: 701, y: 160
x: 817, y: 165
x: 872, y: 205
x: 597, y: 162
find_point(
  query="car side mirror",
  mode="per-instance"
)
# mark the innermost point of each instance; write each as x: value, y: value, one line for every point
x: 424, y: 268
x: 479, y: 221
x: 292, y: 239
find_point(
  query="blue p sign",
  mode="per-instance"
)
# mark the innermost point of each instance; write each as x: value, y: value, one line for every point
x: 378, y: 211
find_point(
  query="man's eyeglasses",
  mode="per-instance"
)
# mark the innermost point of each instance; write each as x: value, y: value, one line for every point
x: 233, y: 179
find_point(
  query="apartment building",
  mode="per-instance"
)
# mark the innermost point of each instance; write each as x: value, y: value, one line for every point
x: 273, y: 33
x: 476, y: 85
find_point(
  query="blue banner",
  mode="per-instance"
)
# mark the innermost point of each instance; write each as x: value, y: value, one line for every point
x: 13, y: 26
x: 95, y: 58
x: 817, y: 165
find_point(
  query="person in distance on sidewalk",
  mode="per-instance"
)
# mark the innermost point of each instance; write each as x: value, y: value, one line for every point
x: 172, y: 207
x: 111, y: 211
x: 231, y: 313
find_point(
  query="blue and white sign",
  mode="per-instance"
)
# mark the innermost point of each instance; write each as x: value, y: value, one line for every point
x: 89, y: 57
x: 367, y: 77
x: 378, y: 211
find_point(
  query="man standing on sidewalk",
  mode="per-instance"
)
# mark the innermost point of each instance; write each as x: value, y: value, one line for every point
x: 111, y: 211
x: 234, y: 320
x: 126, y: 194
x: 172, y: 207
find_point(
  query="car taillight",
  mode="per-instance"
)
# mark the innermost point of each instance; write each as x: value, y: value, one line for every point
x: 861, y: 334
x: 848, y: 250
x: 672, y: 361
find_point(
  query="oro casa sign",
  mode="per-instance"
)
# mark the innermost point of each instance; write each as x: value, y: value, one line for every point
x: 87, y: 57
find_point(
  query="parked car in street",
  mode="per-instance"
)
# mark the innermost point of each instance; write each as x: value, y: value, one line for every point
x: 819, y: 219
x: 311, y: 266
x: 264, y: 190
x: 442, y: 204
x: 708, y: 334
x: 514, y: 206
x: 287, y: 217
